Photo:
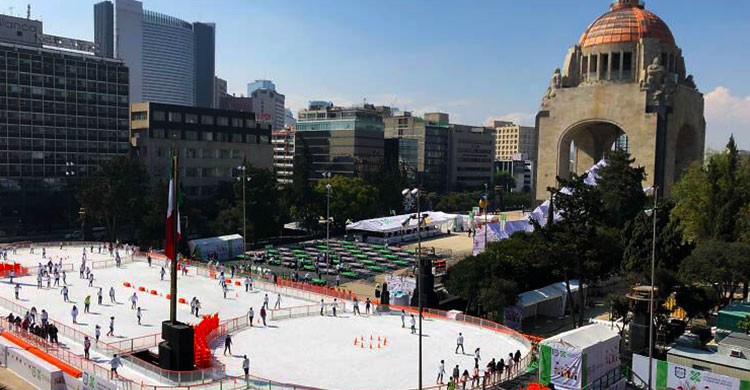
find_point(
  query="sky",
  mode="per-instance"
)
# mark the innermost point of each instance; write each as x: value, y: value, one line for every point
x: 475, y: 59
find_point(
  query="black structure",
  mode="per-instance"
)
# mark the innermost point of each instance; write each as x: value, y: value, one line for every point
x: 104, y: 29
x: 204, y: 38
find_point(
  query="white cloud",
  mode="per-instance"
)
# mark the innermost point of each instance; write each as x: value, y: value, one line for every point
x: 727, y: 114
x: 519, y: 118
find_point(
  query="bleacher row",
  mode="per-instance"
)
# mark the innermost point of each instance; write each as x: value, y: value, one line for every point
x: 357, y: 259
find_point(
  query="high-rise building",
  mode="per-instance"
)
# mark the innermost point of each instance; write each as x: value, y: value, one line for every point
x: 283, y: 155
x: 289, y: 120
x: 62, y: 112
x: 205, y: 46
x: 220, y: 91
x: 520, y: 169
x: 268, y: 104
x: 423, y: 150
x: 472, y: 153
x: 512, y: 139
x: 212, y: 143
x: 260, y: 84
x: 171, y: 60
x: 624, y: 85
x: 341, y: 140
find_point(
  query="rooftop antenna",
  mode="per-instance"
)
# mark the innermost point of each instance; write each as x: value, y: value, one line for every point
x: 10, y: 9
x: 28, y: 11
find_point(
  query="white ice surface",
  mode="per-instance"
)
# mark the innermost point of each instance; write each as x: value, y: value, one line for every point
x: 69, y: 255
x: 319, y: 352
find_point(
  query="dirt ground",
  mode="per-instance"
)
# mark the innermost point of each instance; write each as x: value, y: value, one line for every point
x: 13, y: 381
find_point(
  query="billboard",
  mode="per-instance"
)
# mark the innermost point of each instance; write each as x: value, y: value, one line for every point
x: 667, y: 375
x: 20, y: 31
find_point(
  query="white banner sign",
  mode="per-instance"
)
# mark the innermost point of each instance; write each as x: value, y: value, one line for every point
x: 566, y: 368
x: 93, y: 382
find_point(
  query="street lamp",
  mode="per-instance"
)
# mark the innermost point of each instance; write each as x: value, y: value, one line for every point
x: 409, y: 195
x: 70, y: 172
x: 244, y: 179
x: 486, y: 207
x: 651, y: 298
x: 327, y: 175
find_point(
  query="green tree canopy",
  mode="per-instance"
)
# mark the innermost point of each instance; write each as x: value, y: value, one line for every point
x: 351, y: 200
x: 721, y: 265
x: 621, y: 186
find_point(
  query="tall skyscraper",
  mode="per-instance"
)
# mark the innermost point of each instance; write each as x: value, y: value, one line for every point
x: 205, y: 67
x: 260, y: 84
x: 512, y: 141
x: 171, y: 60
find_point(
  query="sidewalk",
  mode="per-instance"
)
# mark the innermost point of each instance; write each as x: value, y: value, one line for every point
x: 13, y: 381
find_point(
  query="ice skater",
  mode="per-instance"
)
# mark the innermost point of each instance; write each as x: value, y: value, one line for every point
x: 99, y: 296
x: 248, y: 284
x: 477, y: 358
x: 57, y: 278
x: 114, y: 364
x: 12, y: 274
x: 322, y: 307
x: 356, y: 307
x: 161, y: 273
x: 64, y: 293
x: 263, y: 315
x: 334, y: 305
x: 224, y: 289
x: 265, y: 301
x: 86, y: 347
x: 441, y: 372
x: 64, y: 277
x: 138, y: 314
x: 97, y: 332
x: 250, y: 316
x: 16, y: 290
x: 246, y: 366
x: 228, y: 345
x: 91, y: 279
x: 197, y: 307
x: 403, y: 318
x: 277, y: 305
x: 133, y: 301
x: 39, y: 278
x: 413, y: 323
x: 112, y: 295
x: 74, y: 314
x: 44, y: 316
x: 460, y: 343
x: 86, y: 303
x: 111, y: 331
x: 367, y: 305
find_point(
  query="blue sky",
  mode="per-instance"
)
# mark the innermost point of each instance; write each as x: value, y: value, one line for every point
x: 474, y: 59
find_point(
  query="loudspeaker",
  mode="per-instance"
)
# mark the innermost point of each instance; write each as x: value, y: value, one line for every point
x: 178, y: 346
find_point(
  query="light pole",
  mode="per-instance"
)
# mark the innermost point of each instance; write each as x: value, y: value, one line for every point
x: 414, y: 193
x: 327, y: 175
x: 486, y: 204
x: 244, y: 179
x: 70, y: 172
x: 651, y: 299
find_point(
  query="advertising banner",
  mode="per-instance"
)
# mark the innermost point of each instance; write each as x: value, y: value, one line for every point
x: 566, y: 367
x: 674, y: 376
x: 93, y: 382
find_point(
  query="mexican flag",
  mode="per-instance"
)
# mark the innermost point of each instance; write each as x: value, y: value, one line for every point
x: 173, y: 215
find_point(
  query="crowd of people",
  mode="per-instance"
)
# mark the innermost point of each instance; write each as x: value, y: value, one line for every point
x: 35, y: 323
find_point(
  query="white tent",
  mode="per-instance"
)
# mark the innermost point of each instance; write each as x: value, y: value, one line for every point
x: 220, y: 248
x: 550, y: 301
x: 398, y: 228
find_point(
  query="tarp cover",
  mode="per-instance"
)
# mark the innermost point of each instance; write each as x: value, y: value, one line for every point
x: 396, y: 222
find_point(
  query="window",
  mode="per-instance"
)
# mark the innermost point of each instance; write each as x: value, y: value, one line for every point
x: 191, y: 118
x: 224, y: 153
x: 207, y: 120
x: 158, y: 133
x: 237, y: 138
x: 190, y: 153
x: 627, y: 62
x: 236, y: 122
x: 235, y: 153
x: 139, y: 116
x: 191, y: 135
x: 249, y: 123
x: 208, y: 136
x: 222, y: 121
x: 175, y: 117
x: 175, y: 134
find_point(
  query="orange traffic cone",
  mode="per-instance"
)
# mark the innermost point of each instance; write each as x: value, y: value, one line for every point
x: 355, y: 341
x: 385, y: 341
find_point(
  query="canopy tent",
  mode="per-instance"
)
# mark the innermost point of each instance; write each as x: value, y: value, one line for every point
x: 219, y: 248
x: 550, y: 301
x: 398, y: 228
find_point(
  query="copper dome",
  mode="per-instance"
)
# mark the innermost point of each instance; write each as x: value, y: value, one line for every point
x: 627, y: 21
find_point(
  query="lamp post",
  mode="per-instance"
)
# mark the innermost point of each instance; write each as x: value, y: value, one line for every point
x: 327, y: 175
x: 244, y: 179
x: 70, y: 172
x: 414, y: 193
x: 486, y: 207
x: 651, y: 298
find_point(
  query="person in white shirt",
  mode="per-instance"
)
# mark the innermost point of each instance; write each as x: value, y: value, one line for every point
x: 246, y: 366
x: 460, y: 343
x: 278, y: 302
x: 74, y: 314
x: 441, y: 372
x: 114, y: 364
x: 133, y: 301
x: 250, y: 316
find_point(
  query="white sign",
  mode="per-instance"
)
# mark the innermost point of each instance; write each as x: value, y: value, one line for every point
x: 566, y: 368
x: 675, y: 376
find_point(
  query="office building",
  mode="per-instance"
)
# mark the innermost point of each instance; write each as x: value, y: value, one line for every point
x: 204, y: 43
x: 342, y: 140
x: 423, y: 149
x: 234, y: 103
x: 512, y: 139
x: 212, y: 143
x: 289, y: 120
x: 623, y: 85
x: 521, y: 169
x: 260, y: 84
x: 268, y: 105
x: 472, y: 153
x: 171, y: 60
x: 220, y: 91
x: 62, y: 113
x: 283, y: 155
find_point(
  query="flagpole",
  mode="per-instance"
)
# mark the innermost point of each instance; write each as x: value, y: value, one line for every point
x: 173, y: 264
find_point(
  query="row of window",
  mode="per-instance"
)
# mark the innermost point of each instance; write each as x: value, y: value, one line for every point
x: 208, y: 120
x: 60, y: 66
x: 193, y: 135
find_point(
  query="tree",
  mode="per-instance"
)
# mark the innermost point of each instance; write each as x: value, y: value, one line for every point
x: 114, y: 194
x: 744, y: 324
x: 351, y: 200
x: 618, y: 305
x: 721, y: 265
x: 505, y: 180
x: 696, y: 300
x: 621, y: 186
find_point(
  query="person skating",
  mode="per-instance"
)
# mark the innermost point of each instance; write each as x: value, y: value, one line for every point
x: 91, y: 279
x: 277, y: 305
x: 197, y: 307
x: 464, y: 379
x: 367, y: 305
x: 114, y: 364
x: 265, y: 301
x: 86, y: 347
x: 322, y: 307
x: 246, y: 367
x: 17, y: 290
x: 74, y: 314
x: 250, y: 316
x: 57, y: 278
x: 39, y: 278
x: 86, y: 303
x: 12, y: 275
x: 112, y: 295
x: 97, y: 332
x: 138, y: 314
x: 413, y: 323
x: 403, y: 318
x: 64, y: 293
x: 44, y: 316
x: 111, y: 331
x: 456, y: 373
x: 148, y: 260
x: 161, y: 273
x: 451, y: 384
x: 64, y: 278
x: 228, y: 345
x: 477, y: 358
x: 460, y: 343
x: 263, y: 315
x: 224, y: 289
x: 99, y: 296
x: 248, y: 284
x: 441, y: 372
x: 356, y: 307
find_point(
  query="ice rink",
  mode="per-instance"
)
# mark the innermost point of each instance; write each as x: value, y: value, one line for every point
x: 320, y: 352
x: 69, y: 255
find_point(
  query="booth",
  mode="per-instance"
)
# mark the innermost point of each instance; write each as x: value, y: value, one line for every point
x: 397, y: 229
x: 548, y: 301
x: 586, y: 357
x: 220, y: 248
